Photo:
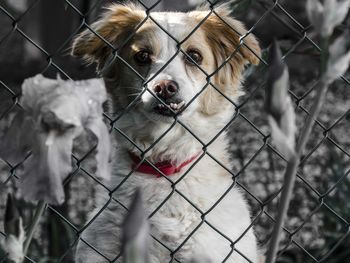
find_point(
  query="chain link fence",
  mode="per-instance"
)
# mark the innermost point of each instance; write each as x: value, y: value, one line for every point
x: 35, y: 37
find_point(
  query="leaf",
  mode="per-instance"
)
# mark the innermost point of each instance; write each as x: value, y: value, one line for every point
x: 327, y: 16
x: 135, y: 232
x: 339, y: 58
x: 283, y: 133
x: 334, y: 13
x: 278, y: 105
x: 315, y: 10
x: 277, y: 83
x: 55, y: 113
x: 14, y: 248
x: 15, y: 235
x: 12, y: 217
x: 99, y: 129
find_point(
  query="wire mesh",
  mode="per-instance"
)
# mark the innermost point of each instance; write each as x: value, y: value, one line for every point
x: 317, y: 229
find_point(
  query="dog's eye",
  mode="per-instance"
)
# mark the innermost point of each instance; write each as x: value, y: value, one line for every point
x: 193, y: 56
x: 143, y: 57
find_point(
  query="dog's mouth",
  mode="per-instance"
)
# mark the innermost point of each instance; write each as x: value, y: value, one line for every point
x: 170, y: 108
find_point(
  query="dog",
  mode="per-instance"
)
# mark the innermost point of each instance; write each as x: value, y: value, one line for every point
x: 173, y: 79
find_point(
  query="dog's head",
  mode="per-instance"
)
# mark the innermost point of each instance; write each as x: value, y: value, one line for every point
x: 173, y: 64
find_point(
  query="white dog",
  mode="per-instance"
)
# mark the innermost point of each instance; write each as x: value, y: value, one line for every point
x: 181, y: 106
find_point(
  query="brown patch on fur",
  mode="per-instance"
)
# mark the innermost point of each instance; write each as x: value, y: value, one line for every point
x: 224, y: 29
x: 223, y: 41
x: 119, y: 20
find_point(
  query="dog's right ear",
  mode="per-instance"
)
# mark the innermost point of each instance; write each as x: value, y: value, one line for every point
x: 94, y: 43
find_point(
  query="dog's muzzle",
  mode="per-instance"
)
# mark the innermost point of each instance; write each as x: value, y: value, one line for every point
x: 170, y: 104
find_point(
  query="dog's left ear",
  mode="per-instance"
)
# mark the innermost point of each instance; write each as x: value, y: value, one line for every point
x: 229, y: 34
x: 232, y: 46
x: 94, y: 44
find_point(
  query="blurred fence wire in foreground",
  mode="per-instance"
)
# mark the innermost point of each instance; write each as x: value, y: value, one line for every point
x: 298, y: 189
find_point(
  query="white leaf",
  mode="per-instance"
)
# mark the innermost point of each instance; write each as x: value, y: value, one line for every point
x: 99, y: 129
x: 334, y: 13
x: 315, y: 11
x: 13, y: 245
x: 283, y: 132
x: 277, y: 83
x: 55, y: 113
x: 339, y: 58
x: 278, y: 104
x: 327, y: 16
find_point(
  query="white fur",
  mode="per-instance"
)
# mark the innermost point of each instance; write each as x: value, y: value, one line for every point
x: 205, y: 184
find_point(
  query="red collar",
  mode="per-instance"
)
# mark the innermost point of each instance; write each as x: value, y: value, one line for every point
x: 165, y: 167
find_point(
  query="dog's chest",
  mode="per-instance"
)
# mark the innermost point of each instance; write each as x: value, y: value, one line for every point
x: 176, y: 207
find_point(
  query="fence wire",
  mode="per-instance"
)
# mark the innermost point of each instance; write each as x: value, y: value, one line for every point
x: 320, y: 204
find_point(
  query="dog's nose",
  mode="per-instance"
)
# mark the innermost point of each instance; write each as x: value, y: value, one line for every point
x: 166, y: 88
